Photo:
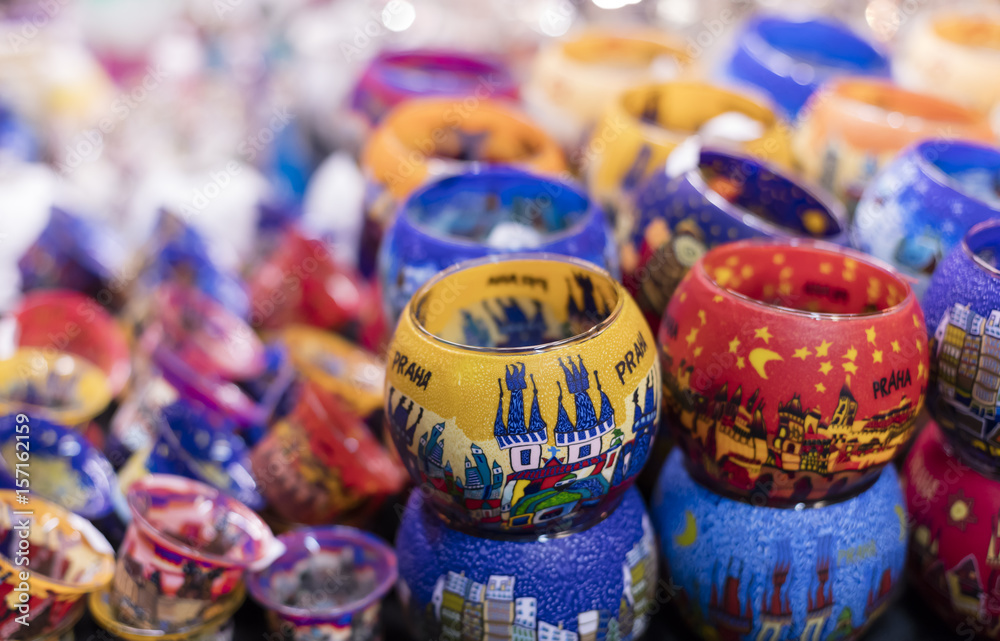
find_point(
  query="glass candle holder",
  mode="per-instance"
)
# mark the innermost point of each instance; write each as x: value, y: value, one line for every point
x: 393, y: 77
x: 428, y: 138
x: 556, y: 586
x: 948, y: 53
x: 854, y: 126
x: 559, y: 360
x: 789, y: 59
x: 573, y: 80
x: 919, y: 207
x: 493, y: 211
x: 962, y: 305
x: 184, y: 554
x: 64, y: 558
x: 216, y: 624
x: 53, y: 385
x: 644, y: 124
x: 726, y: 197
x: 952, y: 511
x: 792, y: 370
x: 820, y: 573
x: 329, y: 583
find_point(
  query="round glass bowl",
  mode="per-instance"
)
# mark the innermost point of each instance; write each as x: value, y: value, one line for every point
x: 789, y: 59
x: 854, y: 126
x: 742, y: 571
x: 924, y: 201
x: 962, y: 305
x: 53, y: 557
x: 429, y: 138
x: 793, y: 370
x: 54, y: 385
x: 603, y: 579
x: 950, y: 52
x: 643, y: 125
x: 493, y: 211
x: 393, y: 77
x: 329, y: 584
x: 726, y: 197
x: 954, y: 545
x: 522, y: 393
x: 572, y: 80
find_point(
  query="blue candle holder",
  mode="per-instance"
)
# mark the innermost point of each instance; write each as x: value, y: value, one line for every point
x: 602, y: 580
x: 747, y: 572
x: 790, y: 59
x: 922, y: 204
x: 493, y: 211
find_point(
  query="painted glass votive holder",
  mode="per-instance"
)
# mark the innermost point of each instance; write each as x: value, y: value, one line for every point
x: 962, y: 305
x: 852, y: 127
x: 578, y: 585
x: 50, y: 556
x: 948, y: 52
x: 955, y: 539
x: 789, y: 59
x: 57, y: 386
x: 184, y: 553
x: 67, y: 321
x: 216, y: 624
x: 573, y: 80
x: 320, y: 464
x: 329, y: 584
x: 726, y: 197
x: 793, y: 370
x: 393, y: 77
x: 822, y: 573
x: 489, y: 212
x: 644, y: 124
x: 921, y: 205
x: 522, y: 393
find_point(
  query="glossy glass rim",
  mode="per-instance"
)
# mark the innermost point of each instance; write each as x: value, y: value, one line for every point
x: 979, y: 262
x: 413, y: 306
x: 862, y: 109
x: 486, y: 170
x: 943, y: 178
x: 755, y: 42
x: 346, y: 535
x: 824, y: 247
x: 834, y: 208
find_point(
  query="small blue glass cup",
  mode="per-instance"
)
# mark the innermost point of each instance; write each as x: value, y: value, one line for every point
x: 492, y: 211
x: 789, y: 59
x: 560, y: 585
x: 727, y: 197
x: 962, y: 308
x: 744, y: 571
x: 919, y: 207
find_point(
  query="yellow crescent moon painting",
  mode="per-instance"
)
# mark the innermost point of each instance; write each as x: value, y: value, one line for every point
x: 690, y: 533
x: 901, y: 514
x: 760, y: 357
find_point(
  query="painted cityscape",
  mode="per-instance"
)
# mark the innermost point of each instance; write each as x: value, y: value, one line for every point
x: 552, y: 473
x: 967, y: 346
x: 462, y: 609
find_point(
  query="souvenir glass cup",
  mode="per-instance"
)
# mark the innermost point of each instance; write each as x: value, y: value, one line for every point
x: 58, y: 386
x: 328, y: 585
x: 65, y: 558
x: 962, y: 305
x: 792, y: 370
x: 522, y: 392
x: 726, y: 197
x: 924, y: 201
x: 494, y: 211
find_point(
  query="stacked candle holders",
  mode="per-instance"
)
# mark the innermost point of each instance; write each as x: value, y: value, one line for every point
x: 953, y: 472
x: 523, y: 396
x: 792, y: 373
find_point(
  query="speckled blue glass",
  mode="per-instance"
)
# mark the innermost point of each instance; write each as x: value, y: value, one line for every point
x: 492, y: 211
x: 789, y: 59
x: 17, y: 139
x: 600, y: 580
x: 741, y: 571
x: 962, y: 309
x: 728, y: 197
x: 203, y: 445
x: 922, y: 203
